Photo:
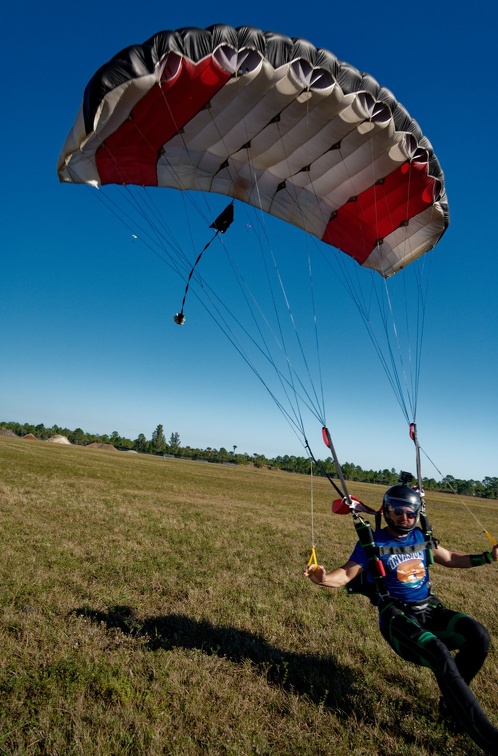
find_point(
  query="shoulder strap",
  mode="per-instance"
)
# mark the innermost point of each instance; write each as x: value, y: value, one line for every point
x: 375, y: 565
x: 429, y: 537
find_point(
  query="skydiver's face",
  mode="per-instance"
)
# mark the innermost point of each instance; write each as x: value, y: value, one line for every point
x: 403, y: 516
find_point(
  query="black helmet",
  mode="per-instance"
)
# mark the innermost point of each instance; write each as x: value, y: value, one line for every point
x: 401, y: 496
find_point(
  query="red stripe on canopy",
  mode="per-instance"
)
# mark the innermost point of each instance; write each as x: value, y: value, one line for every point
x: 130, y: 154
x: 357, y: 226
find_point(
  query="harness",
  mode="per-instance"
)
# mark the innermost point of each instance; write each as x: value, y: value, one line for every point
x: 377, y: 590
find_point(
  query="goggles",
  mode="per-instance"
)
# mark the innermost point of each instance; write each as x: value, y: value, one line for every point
x: 398, y: 511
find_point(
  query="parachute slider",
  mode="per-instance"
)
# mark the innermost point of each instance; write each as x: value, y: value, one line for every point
x: 220, y: 225
x: 224, y: 219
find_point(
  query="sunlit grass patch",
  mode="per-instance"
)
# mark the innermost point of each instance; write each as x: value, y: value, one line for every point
x: 154, y: 606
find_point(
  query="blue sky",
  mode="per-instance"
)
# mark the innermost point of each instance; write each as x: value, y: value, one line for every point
x: 87, y: 334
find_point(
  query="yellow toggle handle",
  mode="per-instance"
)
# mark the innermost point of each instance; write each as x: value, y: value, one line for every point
x: 490, y: 538
x: 312, y: 561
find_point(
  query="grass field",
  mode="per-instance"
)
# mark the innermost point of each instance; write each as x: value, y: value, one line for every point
x: 157, y: 606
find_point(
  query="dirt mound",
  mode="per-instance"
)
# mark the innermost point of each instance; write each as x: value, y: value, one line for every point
x: 57, y: 439
x: 7, y: 432
x: 96, y: 445
x: 30, y: 437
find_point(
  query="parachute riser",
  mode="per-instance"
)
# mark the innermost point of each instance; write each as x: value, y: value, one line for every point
x: 328, y: 442
x: 424, y: 520
x: 414, y: 437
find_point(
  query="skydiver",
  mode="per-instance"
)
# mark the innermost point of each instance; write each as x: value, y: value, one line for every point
x: 415, y: 623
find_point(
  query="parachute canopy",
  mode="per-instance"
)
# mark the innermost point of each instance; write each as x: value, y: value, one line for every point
x: 271, y: 121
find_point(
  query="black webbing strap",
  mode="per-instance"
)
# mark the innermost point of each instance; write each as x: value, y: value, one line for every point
x: 366, y: 538
x: 429, y: 537
x: 382, y: 550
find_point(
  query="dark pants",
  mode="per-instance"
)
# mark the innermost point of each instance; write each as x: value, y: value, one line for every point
x: 425, y: 636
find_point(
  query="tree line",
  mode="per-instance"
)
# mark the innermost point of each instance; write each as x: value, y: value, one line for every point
x: 158, y: 445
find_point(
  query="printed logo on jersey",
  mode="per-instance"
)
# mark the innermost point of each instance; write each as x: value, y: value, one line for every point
x: 409, y: 568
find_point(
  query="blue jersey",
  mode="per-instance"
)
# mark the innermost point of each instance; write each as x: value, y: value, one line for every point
x: 407, y: 576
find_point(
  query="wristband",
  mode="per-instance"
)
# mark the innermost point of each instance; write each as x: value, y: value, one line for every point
x: 477, y: 560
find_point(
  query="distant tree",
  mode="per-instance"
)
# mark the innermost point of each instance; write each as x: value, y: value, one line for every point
x: 77, y: 436
x: 479, y: 488
x: 448, y: 483
x: 490, y: 487
x: 174, y: 441
x: 41, y: 432
x: 222, y: 454
x: 124, y: 443
x: 158, y: 440
x: 141, y: 444
x: 430, y: 484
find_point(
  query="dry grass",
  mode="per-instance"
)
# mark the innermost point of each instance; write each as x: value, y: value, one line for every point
x: 157, y: 606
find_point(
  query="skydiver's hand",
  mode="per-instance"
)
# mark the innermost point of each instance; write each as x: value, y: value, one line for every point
x: 315, y: 573
x: 494, y: 553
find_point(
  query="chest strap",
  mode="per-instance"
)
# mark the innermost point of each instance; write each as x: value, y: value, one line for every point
x: 382, y: 550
